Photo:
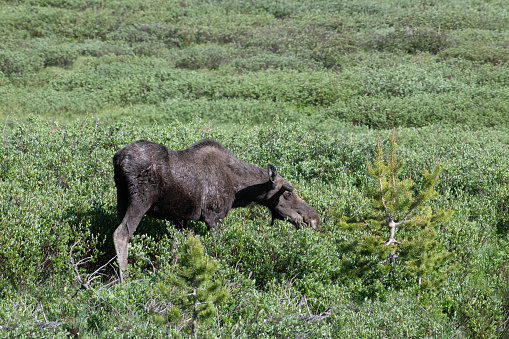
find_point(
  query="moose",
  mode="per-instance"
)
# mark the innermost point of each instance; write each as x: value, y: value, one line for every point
x: 203, y: 182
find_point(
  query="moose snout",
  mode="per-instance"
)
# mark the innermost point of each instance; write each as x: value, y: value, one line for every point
x: 297, y: 219
x: 314, y: 224
x: 312, y: 221
x: 309, y: 217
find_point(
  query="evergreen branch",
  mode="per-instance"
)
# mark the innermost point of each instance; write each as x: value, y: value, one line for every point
x: 404, y: 219
x: 198, y: 293
x: 393, y: 146
x: 387, y: 216
x: 380, y: 182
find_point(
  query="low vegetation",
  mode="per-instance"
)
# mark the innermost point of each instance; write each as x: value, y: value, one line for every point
x: 370, y: 63
x: 57, y: 194
x: 313, y: 87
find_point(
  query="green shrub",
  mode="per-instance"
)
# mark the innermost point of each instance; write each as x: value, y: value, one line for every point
x: 412, y: 41
x: 43, y: 53
x: 226, y: 111
x: 453, y: 15
x: 55, y: 54
x: 480, y: 108
x: 407, y: 80
x: 37, y: 224
x: 276, y: 253
x: 207, y: 56
x: 407, y: 318
x: 19, y: 63
x: 148, y: 33
x: 478, y: 52
x: 68, y: 4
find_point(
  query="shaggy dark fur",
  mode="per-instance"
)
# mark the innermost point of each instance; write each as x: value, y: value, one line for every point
x: 203, y: 182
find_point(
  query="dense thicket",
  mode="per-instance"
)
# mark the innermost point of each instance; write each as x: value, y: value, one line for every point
x: 308, y: 86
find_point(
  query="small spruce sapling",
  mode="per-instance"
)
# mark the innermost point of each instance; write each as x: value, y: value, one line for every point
x: 194, y: 293
x: 397, y: 207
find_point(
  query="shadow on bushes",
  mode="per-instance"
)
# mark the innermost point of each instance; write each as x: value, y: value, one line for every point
x: 95, y: 227
x: 502, y: 226
x: 412, y: 41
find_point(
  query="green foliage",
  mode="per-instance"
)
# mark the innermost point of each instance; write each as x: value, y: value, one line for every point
x: 196, y: 292
x: 396, y: 207
x: 57, y: 183
x: 399, y: 316
x: 313, y: 59
x: 412, y: 41
x: 269, y: 255
x: 478, y: 52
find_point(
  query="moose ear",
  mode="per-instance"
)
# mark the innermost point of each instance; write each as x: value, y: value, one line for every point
x: 272, y: 173
x: 288, y: 187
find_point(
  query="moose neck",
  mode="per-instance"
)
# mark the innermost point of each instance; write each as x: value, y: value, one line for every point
x: 253, y: 185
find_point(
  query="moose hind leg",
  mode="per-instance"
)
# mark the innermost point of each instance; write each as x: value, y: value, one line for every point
x: 124, y: 231
x: 122, y: 195
x: 122, y: 203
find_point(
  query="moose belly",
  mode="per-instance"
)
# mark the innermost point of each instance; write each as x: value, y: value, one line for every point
x: 175, y: 209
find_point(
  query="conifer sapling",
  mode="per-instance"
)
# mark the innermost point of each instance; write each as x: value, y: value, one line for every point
x: 196, y: 294
x: 394, y: 199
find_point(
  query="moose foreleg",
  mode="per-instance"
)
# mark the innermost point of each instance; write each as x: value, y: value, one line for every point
x: 121, y: 239
x: 122, y: 234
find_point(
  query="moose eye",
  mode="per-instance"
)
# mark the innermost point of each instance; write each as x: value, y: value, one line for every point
x: 287, y: 195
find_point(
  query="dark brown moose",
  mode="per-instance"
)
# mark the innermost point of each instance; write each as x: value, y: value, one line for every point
x: 203, y: 182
